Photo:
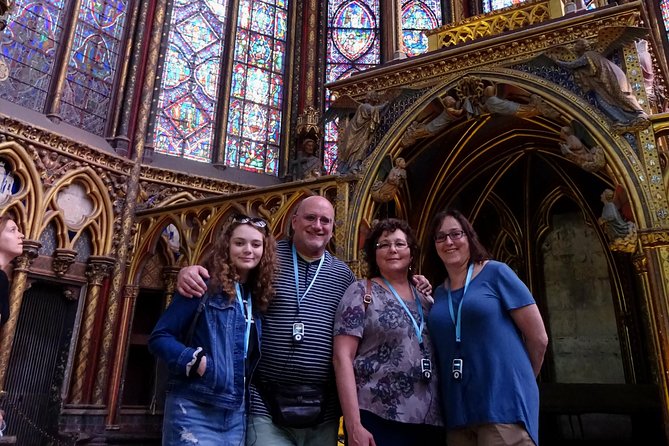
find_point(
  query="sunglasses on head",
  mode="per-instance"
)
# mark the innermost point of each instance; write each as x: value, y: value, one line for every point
x: 244, y: 219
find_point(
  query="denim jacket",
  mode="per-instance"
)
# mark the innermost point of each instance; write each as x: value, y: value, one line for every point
x: 220, y: 332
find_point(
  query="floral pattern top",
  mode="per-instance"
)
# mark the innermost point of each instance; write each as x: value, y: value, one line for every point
x: 387, y: 364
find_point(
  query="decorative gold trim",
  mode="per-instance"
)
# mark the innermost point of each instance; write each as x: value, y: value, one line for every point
x: 654, y: 238
x: 30, y: 136
x: 509, y: 48
x: 485, y: 25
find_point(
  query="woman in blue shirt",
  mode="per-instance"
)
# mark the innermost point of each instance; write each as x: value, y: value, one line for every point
x: 212, y: 345
x: 489, y: 340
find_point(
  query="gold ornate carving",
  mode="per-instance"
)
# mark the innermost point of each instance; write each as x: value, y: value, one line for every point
x: 477, y: 27
x: 640, y: 263
x: 498, y: 50
x: 654, y: 238
x: 98, y: 268
x: 42, y: 142
x: 62, y: 259
x: 308, y: 122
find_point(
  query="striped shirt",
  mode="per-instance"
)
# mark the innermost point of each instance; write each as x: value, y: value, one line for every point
x: 308, y: 362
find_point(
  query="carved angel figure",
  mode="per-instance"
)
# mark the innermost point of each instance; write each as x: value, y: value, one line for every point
x: 494, y: 104
x: 578, y: 146
x: 358, y: 121
x: 386, y: 190
x: 608, y: 82
x: 622, y: 234
x: 419, y: 130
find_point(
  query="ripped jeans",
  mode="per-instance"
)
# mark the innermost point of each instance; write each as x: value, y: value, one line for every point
x: 188, y: 422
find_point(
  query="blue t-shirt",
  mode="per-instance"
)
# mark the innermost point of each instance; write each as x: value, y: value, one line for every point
x: 497, y: 383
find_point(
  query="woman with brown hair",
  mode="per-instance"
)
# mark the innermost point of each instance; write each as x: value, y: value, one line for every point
x: 489, y: 340
x: 382, y: 351
x: 212, y: 345
x: 11, y: 246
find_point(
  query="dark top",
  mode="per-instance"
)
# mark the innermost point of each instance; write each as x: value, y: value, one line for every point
x: 4, y: 298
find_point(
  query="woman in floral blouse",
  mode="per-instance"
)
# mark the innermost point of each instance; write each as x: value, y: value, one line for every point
x: 382, y: 352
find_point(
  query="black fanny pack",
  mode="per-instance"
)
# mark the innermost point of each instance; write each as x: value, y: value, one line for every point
x: 294, y: 405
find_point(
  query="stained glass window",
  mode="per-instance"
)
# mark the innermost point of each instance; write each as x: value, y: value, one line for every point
x: 418, y: 16
x: 93, y: 62
x: 492, y: 5
x: 256, y: 90
x: 189, y: 86
x: 353, y: 45
x: 664, y: 6
x: 28, y: 48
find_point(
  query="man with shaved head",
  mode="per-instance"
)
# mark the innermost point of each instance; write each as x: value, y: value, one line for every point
x: 297, y: 328
x: 296, y: 351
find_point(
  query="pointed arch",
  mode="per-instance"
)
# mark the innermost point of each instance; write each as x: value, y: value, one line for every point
x: 27, y: 202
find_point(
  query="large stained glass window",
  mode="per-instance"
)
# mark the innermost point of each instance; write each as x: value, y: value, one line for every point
x: 93, y: 62
x: 417, y: 16
x: 189, y: 86
x: 664, y: 7
x: 353, y: 45
x: 492, y: 5
x: 29, y: 45
x: 256, y: 90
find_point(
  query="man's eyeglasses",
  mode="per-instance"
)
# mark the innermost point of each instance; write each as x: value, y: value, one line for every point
x: 398, y: 244
x: 244, y: 219
x: 453, y: 235
x: 311, y: 219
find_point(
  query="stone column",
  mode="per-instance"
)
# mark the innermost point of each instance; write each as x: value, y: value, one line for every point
x: 18, y: 286
x: 55, y: 94
x: 111, y: 328
x: 98, y: 268
x: 655, y: 246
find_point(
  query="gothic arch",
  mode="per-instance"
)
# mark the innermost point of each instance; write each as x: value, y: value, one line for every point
x: 27, y: 203
x: 623, y: 164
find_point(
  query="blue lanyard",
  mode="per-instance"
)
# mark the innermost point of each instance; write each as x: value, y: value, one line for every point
x: 458, y: 323
x: 418, y: 329
x: 248, y: 316
x: 297, y: 280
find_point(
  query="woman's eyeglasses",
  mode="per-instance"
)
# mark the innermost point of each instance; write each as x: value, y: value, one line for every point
x: 441, y: 237
x: 244, y: 219
x: 399, y: 245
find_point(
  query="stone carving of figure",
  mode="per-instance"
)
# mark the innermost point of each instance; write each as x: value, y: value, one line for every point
x: 359, y: 132
x: 574, y: 148
x: 608, y: 82
x: 307, y: 165
x: 500, y: 106
x: 622, y: 234
x: 646, y: 63
x: 418, y: 130
x: 386, y: 190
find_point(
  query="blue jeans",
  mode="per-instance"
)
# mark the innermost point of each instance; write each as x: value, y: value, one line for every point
x: 262, y: 432
x: 188, y: 422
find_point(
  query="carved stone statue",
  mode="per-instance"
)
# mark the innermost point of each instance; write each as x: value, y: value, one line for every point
x: 359, y: 132
x: 494, y: 104
x: 622, y: 234
x: 575, y: 147
x: 386, y: 190
x: 418, y: 130
x: 306, y: 164
x: 607, y: 81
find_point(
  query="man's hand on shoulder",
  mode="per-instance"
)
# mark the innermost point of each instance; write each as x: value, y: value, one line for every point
x: 190, y: 281
x: 422, y: 284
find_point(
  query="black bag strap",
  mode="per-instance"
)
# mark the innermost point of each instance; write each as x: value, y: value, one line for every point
x: 193, y: 324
